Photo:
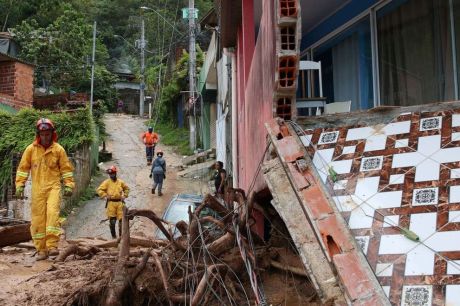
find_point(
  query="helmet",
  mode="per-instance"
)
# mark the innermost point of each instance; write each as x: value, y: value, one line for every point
x: 112, y: 170
x: 44, y: 124
x: 150, y: 129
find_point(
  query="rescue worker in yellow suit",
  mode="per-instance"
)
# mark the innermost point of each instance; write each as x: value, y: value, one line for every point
x: 48, y: 164
x: 115, y: 191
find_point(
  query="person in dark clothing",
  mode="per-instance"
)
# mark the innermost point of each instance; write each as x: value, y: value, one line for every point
x: 158, y: 172
x: 219, y: 178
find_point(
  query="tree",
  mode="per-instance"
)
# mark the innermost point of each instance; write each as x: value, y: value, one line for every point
x: 62, y: 52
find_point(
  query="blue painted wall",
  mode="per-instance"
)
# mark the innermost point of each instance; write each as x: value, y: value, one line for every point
x: 342, y: 16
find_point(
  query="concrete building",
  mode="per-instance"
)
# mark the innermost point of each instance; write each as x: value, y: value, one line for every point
x: 369, y: 195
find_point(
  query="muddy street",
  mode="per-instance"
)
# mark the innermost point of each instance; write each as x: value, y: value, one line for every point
x: 128, y: 155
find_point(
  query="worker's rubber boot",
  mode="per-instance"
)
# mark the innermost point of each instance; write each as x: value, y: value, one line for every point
x: 119, y: 227
x: 160, y: 193
x: 42, y: 255
x: 53, y: 252
x: 112, y: 227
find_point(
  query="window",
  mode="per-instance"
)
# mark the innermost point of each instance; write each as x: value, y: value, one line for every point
x: 415, y: 52
x: 346, y: 62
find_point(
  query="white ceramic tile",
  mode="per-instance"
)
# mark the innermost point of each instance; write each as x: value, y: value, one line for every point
x: 401, y: 143
x: 425, y: 196
x: 386, y: 289
x: 454, y: 194
x: 453, y: 267
x: 306, y: 140
x: 384, y: 269
x: 389, y: 221
x: 363, y: 243
x: 375, y: 142
x: 432, y: 123
x: 339, y: 185
x: 328, y: 137
x: 406, y: 113
x: 424, y: 225
x: 371, y: 163
x: 345, y: 203
x: 454, y: 216
x: 417, y: 296
x: 401, y: 127
x: 455, y: 120
x: 419, y: 261
x: 452, y: 295
x: 341, y: 166
x: 442, y: 241
x: 321, y: 160
x: 395, y: 244
x: 428, y: 170
x: 359, y: 133
x: 455, y: 136
x: 349, y: 149
x: 455, y: 173
x: 396, y: 179
x: 361, y: 217
x: 388, y: 199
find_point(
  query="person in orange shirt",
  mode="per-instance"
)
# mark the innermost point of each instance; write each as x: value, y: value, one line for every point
x: 150, y: 139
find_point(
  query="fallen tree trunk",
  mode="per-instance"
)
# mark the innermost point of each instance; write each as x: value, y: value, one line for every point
x: 13, y: 232
x: 74, y: 249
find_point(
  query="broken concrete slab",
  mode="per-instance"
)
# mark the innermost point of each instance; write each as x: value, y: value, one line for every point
x: 288, y: 207
x: 329, y: 228
x: 202, y: 170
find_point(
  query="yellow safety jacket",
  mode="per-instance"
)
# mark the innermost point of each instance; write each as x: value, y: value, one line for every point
x: 47, y: 168
x: 113, y: 189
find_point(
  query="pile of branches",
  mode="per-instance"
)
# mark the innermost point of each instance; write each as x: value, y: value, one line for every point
x: 202, y: 262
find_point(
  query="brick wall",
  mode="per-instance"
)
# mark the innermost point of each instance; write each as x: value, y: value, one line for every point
x: 24, y: 82
x: 13, y: 102
x: 7, y: 78
x: 16, y: 84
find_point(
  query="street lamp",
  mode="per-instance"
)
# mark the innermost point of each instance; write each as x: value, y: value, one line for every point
x: 161, y: 16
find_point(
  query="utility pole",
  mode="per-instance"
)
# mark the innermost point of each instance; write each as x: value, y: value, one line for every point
x: 142, y: 86
x: 192, y: 63
x: 92, y: 69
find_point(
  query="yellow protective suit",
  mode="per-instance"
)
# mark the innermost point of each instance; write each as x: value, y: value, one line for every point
x: 47, y: 168
x: 115, y: 190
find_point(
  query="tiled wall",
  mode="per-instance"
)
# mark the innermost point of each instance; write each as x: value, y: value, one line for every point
x: 394, y: 183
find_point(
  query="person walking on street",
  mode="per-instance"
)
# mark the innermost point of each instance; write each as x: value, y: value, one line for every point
x: 158, y: 172
x: 48, y: 164
x: 119, y: 107
x: 219, y: 178
x: 114, y: 191
x: 150, y: 139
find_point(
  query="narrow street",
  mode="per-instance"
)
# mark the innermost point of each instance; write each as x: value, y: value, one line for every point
x: 129, y: 157
x: 18, y: 266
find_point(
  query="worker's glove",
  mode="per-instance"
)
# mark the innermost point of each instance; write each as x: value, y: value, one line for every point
x: 20, y: 192
x: 150, y: 175
x: 68, y: 191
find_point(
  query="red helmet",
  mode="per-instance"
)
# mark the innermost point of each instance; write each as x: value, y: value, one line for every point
x: 44, y: 124
x: 112, y: 170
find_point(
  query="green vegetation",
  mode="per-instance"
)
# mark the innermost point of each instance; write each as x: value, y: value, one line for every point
x: 175, y: 137
x: 18, y: 131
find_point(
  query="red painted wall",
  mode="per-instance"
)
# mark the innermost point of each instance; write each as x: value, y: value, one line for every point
x: 256, y: 99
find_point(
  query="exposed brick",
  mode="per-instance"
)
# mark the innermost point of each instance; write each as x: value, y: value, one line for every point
x: 287, y: 70
x: 284, y: 108
x: 288, y: 8
x: 288, y: 37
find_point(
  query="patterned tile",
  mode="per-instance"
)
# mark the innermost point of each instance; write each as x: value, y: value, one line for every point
x: 393, y: 181
x: 328, y: 137
x: 433, y: 123
x: 417, y: 296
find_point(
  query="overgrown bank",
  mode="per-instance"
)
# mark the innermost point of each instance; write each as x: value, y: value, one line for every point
x: 74, y: 130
